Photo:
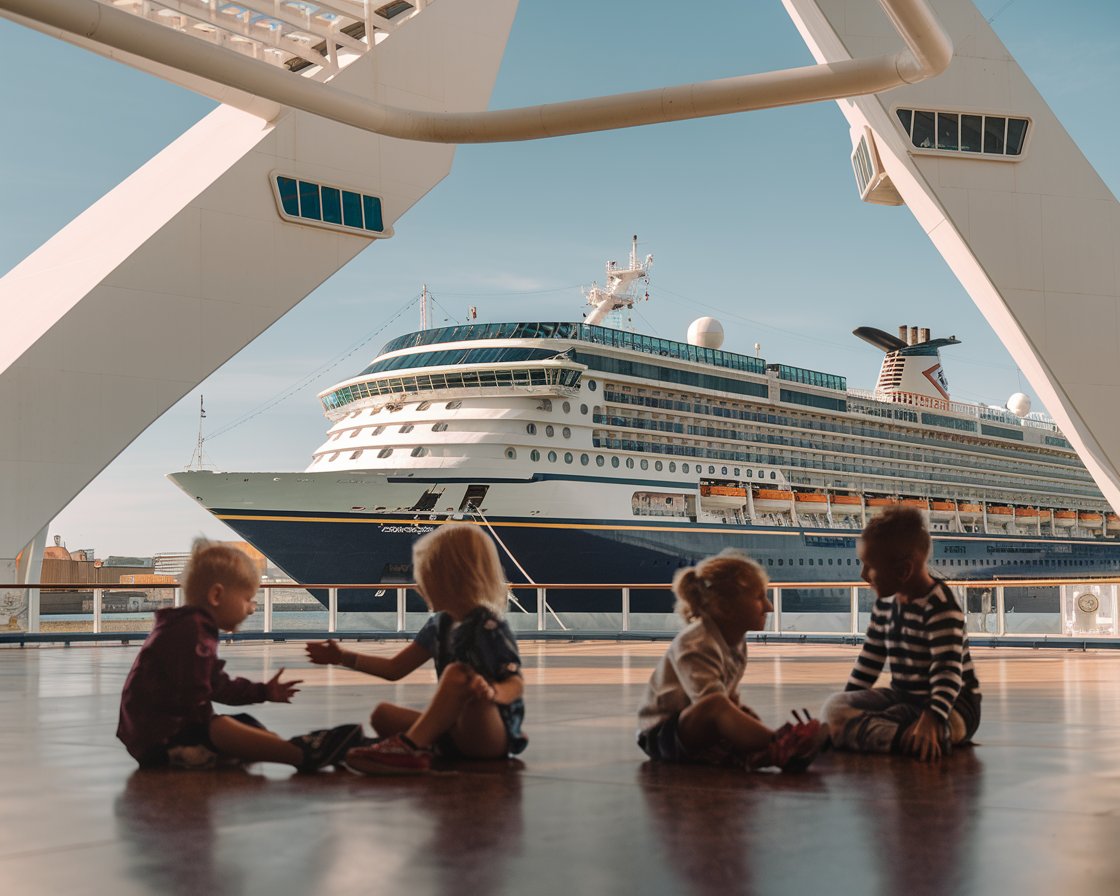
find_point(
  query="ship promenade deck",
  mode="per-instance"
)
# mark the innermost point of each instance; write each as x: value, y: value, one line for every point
x: 1034, y: 809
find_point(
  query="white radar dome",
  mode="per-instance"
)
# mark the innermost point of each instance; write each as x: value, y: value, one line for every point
x: 1019, y: 404
x: 706, y: 332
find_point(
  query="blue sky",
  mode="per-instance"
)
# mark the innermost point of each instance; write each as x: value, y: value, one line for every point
x: 751, y: 218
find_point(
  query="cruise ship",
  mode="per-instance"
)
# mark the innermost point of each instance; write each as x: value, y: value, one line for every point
x: 598, y: 455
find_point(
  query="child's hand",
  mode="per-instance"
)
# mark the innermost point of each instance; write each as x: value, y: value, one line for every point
x: 281, y: 691
x: 923, y: 740
x: 481, y: 689
x: 324, y: 653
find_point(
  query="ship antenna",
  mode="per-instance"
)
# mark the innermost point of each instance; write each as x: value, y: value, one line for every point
x: 424, y: 308
x: 197, y: 462
x: 619, y: 292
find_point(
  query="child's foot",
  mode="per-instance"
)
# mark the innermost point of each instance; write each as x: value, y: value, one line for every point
x: 326, y: 746
x: 794, y: 746
x: 195, y: 756
x: 395, y: 755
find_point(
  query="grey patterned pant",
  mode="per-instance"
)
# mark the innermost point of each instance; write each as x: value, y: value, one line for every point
x: 872, y: 721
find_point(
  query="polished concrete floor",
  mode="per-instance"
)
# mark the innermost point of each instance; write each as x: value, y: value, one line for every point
x: 1035, y: 809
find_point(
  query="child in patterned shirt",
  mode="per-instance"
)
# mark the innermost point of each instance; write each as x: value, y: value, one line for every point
x: 477, y: 709
x: 917, y: 625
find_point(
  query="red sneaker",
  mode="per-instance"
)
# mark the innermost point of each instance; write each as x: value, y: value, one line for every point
x: 395, y: 755
x: 795, y: 746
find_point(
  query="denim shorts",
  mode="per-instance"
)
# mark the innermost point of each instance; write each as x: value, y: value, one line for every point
x: 662, y: 743
x: 196, y: 734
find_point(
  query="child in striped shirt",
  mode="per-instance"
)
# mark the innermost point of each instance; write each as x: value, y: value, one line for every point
x: 933, y: 700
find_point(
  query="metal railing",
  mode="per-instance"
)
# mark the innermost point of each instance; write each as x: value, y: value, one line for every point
x: 1060, y: 618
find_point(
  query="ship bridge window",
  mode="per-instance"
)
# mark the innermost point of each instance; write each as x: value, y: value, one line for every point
x: 306, y: 202
x: 989, y: 135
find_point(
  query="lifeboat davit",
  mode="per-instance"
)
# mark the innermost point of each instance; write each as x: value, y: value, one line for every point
x: 846, y: 505
x: 772, y: 500
x: 1045, y: 516
x: 723, y: 495
x: 1065, y: 519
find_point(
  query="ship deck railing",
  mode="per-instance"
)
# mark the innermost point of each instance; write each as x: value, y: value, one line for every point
x: 1053, y: 620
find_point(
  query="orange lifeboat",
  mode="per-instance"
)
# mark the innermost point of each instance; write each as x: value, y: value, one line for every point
x: 942, y: 510
x: 969, y: 511
x: 877, y: 505
x: 1000, y: 510
x: 723, y: 491
x: 1045, y: 516
x: 1065, y: 519
x: 919, y: 503
x: 1112, y: 522
x: 1026, y: 514
x: 1090, y: 519
x: 811, y: 502
x: 768, y: 500
x: 846, y: 504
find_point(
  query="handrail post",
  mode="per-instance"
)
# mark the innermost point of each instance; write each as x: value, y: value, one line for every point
x: 267, y: 624
x: 33, y: 609
x: 97, y: 592
x: 177, y: 596
x: 855, y: 610
x: 541, y: 621
x: 1000, y: 628
x: 401, y: 604
x: 626, y: 609
x: 332, y: 609
x: 776, y: 600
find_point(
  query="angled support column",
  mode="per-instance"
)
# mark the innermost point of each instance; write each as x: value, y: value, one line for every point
x: 155, y: 286
x: 1032, y: 237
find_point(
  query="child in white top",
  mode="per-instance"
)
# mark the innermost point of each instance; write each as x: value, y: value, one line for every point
x: 692, y: 711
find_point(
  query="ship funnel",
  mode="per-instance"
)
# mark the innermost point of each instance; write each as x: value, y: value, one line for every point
x: 923, y: 334
x: 911, y: 372
x: 913, y: 340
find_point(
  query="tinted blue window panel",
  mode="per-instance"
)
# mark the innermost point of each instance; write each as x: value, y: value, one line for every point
x: 289, y: 196
x: 372, y: 207
x: 309, y: 201
x: 351, y: 209
x: 332, y: 205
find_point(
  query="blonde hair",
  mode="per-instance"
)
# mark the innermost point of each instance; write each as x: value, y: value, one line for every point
x: 216, y: 564
x: 458, y: 562
x: 716, y: 580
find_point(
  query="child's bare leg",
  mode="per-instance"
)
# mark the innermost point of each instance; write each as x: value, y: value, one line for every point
x: 453, y: 695
x: 389, y: 719
x: 480, y: 732
x: 241, y: 741
x: 714, y: 718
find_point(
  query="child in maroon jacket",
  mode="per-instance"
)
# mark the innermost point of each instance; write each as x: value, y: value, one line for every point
x: 167, y: 716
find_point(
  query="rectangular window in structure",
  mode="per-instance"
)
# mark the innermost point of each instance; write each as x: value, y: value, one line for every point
x: 994, y: 134
x: 923, y: 135
x: 332, y: 205
x: 372, y: 207
x: 971, y: 133
x: 1001, y: 432
x: 309, y: 201
x: 351, y: 209
x: 289, y: 195
x: 948, y: 422
x: 948, y: 126
x: 1016, y: 135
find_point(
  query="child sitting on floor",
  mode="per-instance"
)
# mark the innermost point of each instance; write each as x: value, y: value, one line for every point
x: 477, y: 709
x: 933, y: 701
x: 692, y: 711
x: 167, y: 717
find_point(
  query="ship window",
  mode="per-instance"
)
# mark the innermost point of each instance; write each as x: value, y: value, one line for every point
x: 545, y: 405
x: 599, y: 460
x: 592, y: 385
x: 452, y: 405
x: 614, y: 462
x: 948, y: 128
x: 567, y: 407
x: 994, y: 129
x: 566, y: 432
x: 568, y: 457
x: 423, y: 406
x: 332, y: 205
x: 419, y: 451
x: 657, y: 465
x: 711, y: 470
x: 684, y: 468
x: 511, y: 454
x: 629, y: 463
x: 351, y: 209
x: 781, y: 562
x: 584, y: 459
x: 549, y: 431
x: 356, y: 454
x: 723, y: 471
x: 552, y: 457
x: 922, y: 134
x: 289, y: 195
x: 377, y: 430
x: 583, y: 409
x: 773, y: 475
x: 371, y: 207
x: 334, y: 456
x: 384, y: 452
x: 644, y: 464
x: 672, y: 466
x: 309, y: 201
x: 971, y: 131
x: 534, y: 455
x: 531, y: 428
x: 736, y: 471
x: 439, y: 427
x: 408, y: 427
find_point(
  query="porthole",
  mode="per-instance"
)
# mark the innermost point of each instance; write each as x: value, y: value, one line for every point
x: 511, y: 454
x: 550, y: 431
x: 419, y: 451
x: 567, y: 407
x: 384, y: 452
x: 584, y: 460
x: 423, y: 406
x: 552, y: 457
x: 711, y: 470
x: 534, y: 455
x: 614, y: 462
x: 583, y: 409
x: 408, y: 427
x: 592, y: 385
x: 644, y: 464
x: 439, y: 427
x: 736, y: 472
x: 684, y: 468
x: 566, y: 432
x: 568, y: 457
x: 629, y: 463
x: 531, y: 428
x: 600, y: 460
x: 723, y: 471
x: 657, y: 465
x: 672, y: 466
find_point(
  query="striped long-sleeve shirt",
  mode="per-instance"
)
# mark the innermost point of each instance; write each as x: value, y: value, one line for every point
x: 927, y: 646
